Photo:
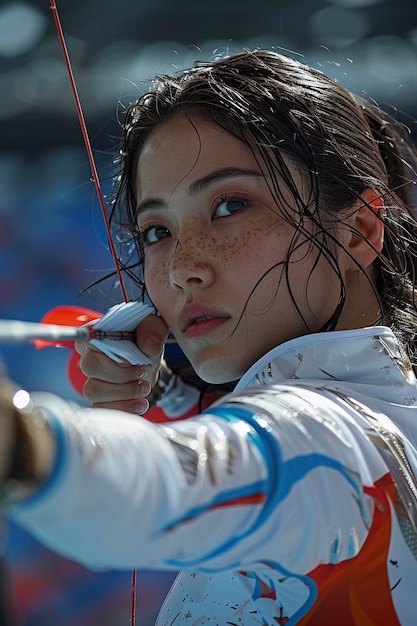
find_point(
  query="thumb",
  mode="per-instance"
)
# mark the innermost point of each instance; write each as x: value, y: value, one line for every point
x: 151, y: 335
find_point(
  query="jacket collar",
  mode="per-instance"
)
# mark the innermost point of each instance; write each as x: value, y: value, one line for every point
x: 369, y: 359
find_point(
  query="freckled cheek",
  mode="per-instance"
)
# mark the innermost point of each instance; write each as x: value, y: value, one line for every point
x: 156, y: 280
x: 233, y: 254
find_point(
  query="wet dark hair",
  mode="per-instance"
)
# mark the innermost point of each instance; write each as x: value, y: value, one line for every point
x: 341, y: 143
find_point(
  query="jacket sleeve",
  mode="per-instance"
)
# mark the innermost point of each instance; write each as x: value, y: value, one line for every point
x: 267, y: 474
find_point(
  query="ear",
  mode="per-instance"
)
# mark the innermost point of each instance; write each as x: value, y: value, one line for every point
x: 367, y: 229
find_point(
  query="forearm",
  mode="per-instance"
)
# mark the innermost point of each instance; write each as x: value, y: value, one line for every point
x: 121, y: 483
x: 209, y: 492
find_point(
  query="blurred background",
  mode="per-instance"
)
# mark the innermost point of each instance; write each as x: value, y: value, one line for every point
x: 52, y: 241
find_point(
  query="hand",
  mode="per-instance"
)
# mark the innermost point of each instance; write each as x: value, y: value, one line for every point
x: 121, y: 385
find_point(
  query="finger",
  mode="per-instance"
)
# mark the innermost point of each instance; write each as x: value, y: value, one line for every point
x: 97, y: 391
x: 138, y: 407
x: 99, y: 366
x: 82, y: 346
x: 151, y: 335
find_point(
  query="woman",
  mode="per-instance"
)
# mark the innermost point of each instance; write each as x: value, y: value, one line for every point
x: 274, y: 219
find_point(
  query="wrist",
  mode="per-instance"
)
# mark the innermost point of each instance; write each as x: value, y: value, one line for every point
x: 32, y: 451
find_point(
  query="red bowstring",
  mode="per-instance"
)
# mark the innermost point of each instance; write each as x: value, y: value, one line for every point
x: 96, y: 180
x: 87, y: 142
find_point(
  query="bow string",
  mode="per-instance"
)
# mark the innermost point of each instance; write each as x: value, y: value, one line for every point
x: 100, y: 197
x: 88, y: 147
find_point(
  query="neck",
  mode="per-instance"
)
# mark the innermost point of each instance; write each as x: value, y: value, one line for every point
x: 362, y: 307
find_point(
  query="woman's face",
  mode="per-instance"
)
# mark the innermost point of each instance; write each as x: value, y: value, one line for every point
x: 216, y: 247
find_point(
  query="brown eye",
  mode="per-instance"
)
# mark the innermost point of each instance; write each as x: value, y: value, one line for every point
x: 228, y: 206
x: 153, y: 234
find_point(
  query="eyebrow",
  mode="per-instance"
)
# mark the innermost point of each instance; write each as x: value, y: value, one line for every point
x: 197, y: 186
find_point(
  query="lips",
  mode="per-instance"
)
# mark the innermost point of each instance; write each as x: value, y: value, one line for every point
x: 200, y: 315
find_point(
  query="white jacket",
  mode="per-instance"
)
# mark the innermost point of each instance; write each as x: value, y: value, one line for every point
x: 292, y: 500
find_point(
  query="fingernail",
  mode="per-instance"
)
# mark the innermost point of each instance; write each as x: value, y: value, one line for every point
x: 140, y: 406
x: 145, y: 387
x: 151, y: 345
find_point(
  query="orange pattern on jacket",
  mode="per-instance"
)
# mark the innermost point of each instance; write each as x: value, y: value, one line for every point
x: 357, y: 591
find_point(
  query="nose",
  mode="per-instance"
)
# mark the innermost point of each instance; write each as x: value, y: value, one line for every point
x: 191, y: 265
